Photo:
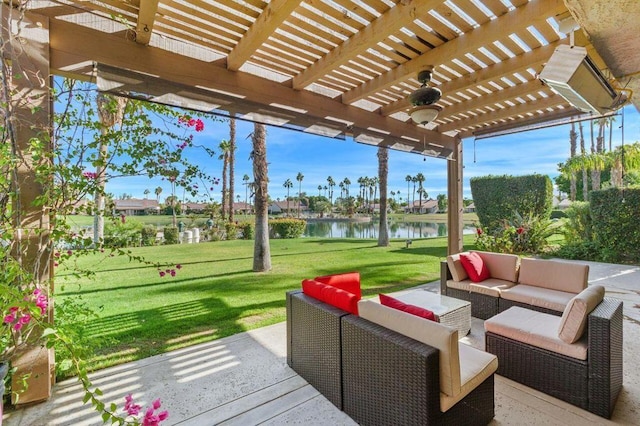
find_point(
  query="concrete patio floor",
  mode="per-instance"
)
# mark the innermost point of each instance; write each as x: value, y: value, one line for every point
x: 244, y: 380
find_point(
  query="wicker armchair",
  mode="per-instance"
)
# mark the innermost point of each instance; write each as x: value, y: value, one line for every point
x: 593, y: 384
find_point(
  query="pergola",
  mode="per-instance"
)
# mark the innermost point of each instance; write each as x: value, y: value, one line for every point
x: 339, y: 68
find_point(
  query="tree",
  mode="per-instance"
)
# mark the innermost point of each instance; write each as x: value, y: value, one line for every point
x: 585, y: 181
x: 232, y: 161
x: 261, y: 250
x: 245, y: 180
x: 442, y: 203
x: 110, y: 110
x: 299, y: 178
x: 319, y: 190
x: 158, y: 191
x: 331, y: 184
x: 224, y: 156
x: 146, y: 193
x: 383, y: 173
x: 288, y: 184
x: 573, y: 141
x: 408, y: 178
x: 346, y: 182
x: 420, y: 179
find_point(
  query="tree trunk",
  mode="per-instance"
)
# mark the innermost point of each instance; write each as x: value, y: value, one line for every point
x: 585, y: 179
x: 573, y: 141
x: 232, y: 161
x: 261, y: 251
x: 111, y: 111
x: 383, y: 173
x: 223, y: 204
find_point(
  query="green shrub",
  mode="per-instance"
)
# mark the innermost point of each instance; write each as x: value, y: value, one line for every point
x: 118, y: 234
x: 231, y: 230
x: 148, y: 234
x: 497, y: 198
x: 171, y: 235
x: 577, y: 228
x: 287, y: 228
x: 520, y: 234
x: 247, y: 230
x: 558, y: 214
x: 582, y: 250
x: 614, y: 215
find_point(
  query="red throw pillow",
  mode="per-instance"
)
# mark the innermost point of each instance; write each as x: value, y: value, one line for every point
x: 331, y: 295
x: 348, y: 281
x: 474, y: 266
x: 410, y: 309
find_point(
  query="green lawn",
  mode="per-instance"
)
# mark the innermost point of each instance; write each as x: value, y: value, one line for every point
x: 216, y: 294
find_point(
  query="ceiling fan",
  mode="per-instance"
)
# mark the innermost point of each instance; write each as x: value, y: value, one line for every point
x: 423, y: 99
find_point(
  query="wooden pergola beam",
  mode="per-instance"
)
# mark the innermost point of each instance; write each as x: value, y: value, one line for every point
x: 390, y: 22
x: 146, y: 20
x: 269, y: 20
x: 73, y: 46
x: 516, y: 20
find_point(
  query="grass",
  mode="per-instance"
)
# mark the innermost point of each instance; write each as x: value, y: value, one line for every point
x: 216, y: 294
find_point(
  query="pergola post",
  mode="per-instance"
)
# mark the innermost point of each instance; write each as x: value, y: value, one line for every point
x: 455, y: 204
x: 26, y: 63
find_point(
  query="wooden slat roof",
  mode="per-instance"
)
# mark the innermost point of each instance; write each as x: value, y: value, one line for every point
x: 359, y: 58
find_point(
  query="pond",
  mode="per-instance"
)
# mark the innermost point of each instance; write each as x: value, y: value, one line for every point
x: 409, y: 230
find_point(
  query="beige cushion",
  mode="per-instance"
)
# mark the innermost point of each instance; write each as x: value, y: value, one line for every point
x: 538, y: 296
x: 491, y: 287
x: 455, y: 267
x: 434, y: 334
x: 574, y: 317
x: 502, y: 266
x: 536, y: 329
x: 557, y: 275
x: 460, y: 285
x: 475, y: 367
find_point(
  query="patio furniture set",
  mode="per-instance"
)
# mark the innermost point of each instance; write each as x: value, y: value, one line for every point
x: 397, y: 360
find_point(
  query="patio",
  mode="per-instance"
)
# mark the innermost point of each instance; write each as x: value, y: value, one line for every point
x: 244, y: 380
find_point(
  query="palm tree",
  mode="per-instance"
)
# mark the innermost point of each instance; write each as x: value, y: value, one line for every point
x: 420, y: 178
x: 585, y: 181
x: 573, y: 141
x: 347, y: 182
x: 319, y: 190
x: 325, y: 190
x: 261, y: 250
x: 331, y: 184
x: 146, y: 193
x: 288, y: 184
x: 158, y: 191
x: 299, y: 178
x: 232, y: 161
x: 224, y: 156
x: 383, y: 173
x: 245, y: 180
x: 414, y: 181
x: 408, y: 178
x: 374, y: 186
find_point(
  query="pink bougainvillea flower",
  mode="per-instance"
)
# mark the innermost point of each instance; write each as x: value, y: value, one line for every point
x: 131, y: 408
x: 162, y: 273
x: 18, y: 326
x: 178, y: 266
x: 69, y: 252
x: 199, y: 125
x: 25, y: 319
x: 162, y: 416
x: 173, y: 273
x: 9, y: 319
x: 156, y: 404
x: 55, y: 263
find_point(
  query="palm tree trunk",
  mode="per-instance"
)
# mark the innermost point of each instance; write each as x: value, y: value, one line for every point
x: 383, y: 173
x: 573, y: 141
x: 261, y: 251
x: 585, y: 179
x: 223, y: 207
x: 232, y: 160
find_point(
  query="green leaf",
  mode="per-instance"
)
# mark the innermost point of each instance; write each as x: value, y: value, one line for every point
x: 48, y: 332
x: 98, y: 392
x: 87, y: 397
x: 113, y: 407
x: 105, y: 417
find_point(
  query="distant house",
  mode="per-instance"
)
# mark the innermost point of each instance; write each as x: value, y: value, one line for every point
x: 278, y: 207
x: 471, y: 208
x: 427, y: 206
x: 561, y: 204
x: 242, y: 207
x: 136, y: 207
x: 195, y: 208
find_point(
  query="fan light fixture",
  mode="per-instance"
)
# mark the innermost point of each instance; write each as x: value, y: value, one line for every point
x: 422, y: 99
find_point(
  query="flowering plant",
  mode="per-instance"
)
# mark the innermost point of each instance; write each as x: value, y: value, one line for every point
x: 150, y: 417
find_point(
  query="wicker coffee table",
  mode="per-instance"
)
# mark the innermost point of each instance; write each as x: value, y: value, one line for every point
x: 453, y: 312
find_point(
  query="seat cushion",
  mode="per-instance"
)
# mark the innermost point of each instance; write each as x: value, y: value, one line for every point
x: 405, y: 307
x: 460, y: 285
x: 574, y: 317
x: 434, y: 334
x: 455, y: 267
x: 475, y: 266
x: 554, y: 274
x: 475, y: 367
x: 538, y: 296
x: 536, y: 329
x: 501, y: 265
x: 348, y: 281
x: 331, y: 295
x: 491, y: 287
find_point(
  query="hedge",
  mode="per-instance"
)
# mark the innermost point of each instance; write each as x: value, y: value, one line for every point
x: 287, y: 228
x: 171, y: 235
x: 497, y: 198
x: 614, y: 215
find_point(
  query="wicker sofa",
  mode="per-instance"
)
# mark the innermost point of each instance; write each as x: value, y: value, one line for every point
x: 378, y: 375
x: 539, y: 284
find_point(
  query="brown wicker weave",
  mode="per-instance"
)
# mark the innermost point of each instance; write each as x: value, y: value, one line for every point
x: 593, y: 384
x: 314, y: 344
x: 483, y: 306
x: 391, y: 379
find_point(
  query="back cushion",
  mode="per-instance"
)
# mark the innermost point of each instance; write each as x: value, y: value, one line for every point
x: 455, y: 267
x: 501, y: 266
x: 574, y: 317
x: 348, y: 281
x: 553, y: 274
x: 405, y: 307
x: 331, y: 295
x: 475, y: 267
x: 434, y: 334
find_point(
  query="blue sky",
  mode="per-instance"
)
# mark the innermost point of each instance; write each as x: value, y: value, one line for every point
x: 290, y: 152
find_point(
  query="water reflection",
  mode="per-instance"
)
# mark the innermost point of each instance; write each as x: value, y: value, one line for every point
x: 340, y: 229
